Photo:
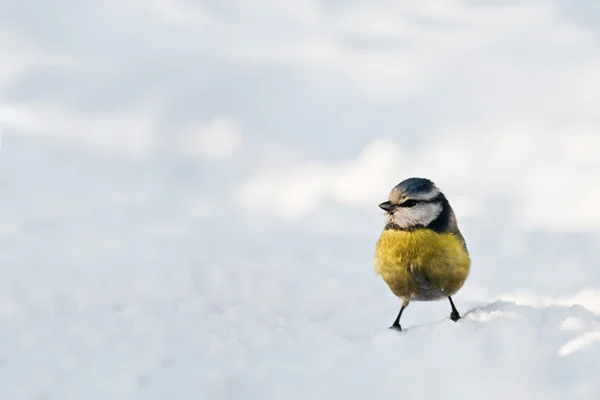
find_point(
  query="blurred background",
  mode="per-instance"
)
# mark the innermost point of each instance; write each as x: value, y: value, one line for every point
x: 175, y: 172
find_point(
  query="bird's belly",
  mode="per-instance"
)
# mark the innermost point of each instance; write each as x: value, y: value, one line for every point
x: 421, y: 264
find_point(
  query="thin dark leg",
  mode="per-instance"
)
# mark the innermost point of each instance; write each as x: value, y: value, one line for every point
x: 396, y: 324
x: 454, y: 315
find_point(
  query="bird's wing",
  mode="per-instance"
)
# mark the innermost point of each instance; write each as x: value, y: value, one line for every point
x: 453, y: 228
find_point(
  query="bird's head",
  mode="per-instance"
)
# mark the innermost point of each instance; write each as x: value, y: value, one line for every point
x: 414, y: 203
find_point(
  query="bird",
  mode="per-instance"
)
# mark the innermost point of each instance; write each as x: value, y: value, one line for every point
x: 421, y: 253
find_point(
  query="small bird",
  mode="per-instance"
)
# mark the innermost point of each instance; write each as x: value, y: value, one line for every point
x: 421, y: 254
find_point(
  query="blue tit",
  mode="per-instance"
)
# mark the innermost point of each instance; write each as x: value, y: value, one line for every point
x: 421, y: 254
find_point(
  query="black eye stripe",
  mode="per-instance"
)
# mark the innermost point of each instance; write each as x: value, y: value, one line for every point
x: 413, y: 202
x: 409, y: 203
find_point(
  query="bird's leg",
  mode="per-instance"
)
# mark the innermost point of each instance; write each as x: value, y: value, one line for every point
x: 396, y: 324
x: 454, y: 315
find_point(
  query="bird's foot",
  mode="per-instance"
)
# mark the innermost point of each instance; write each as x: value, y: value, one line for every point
x: 454, y: 316
x: 396, y: 327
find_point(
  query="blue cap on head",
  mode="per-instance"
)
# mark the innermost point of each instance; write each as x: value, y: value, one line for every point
x: 415, y: 185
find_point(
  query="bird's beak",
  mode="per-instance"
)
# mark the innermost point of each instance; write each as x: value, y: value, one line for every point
x: 387, y: 206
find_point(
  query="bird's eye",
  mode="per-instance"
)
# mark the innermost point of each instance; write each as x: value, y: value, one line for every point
x: 409, y: 203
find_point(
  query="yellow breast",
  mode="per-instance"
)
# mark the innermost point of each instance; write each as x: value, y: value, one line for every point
x: 421, y: 264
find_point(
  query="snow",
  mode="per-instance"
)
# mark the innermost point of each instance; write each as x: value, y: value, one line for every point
x: 192, y: 219
x: 112, y: 287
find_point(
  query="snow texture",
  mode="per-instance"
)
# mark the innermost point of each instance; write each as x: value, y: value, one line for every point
x: 189, y: 198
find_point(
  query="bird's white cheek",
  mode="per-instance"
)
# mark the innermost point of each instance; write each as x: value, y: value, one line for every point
x: 428, y: 213
x: 423, y: 214
x: 402, y: 218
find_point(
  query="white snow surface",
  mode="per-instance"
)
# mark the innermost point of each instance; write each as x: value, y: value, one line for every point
x: 114, y: 288
x: 189, y: 198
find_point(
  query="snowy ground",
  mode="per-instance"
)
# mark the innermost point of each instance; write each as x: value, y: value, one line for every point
x: 190, y: 219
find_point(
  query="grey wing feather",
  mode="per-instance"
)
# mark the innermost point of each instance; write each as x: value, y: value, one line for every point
x: 453, y: 228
